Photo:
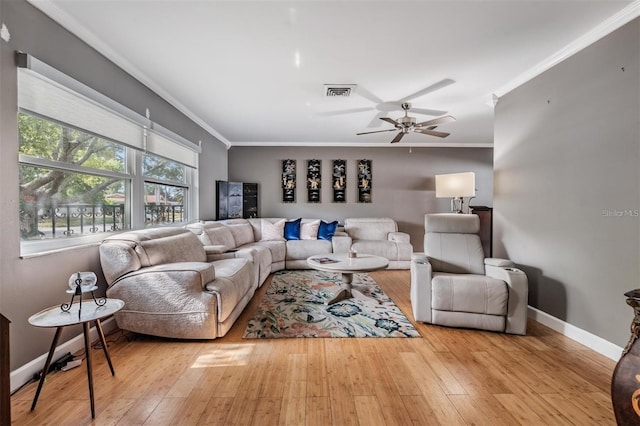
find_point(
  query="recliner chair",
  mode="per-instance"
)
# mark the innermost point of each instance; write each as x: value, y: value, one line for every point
x: 453, y: 285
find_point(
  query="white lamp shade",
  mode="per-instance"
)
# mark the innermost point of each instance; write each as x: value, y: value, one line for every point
x: 456, y: 185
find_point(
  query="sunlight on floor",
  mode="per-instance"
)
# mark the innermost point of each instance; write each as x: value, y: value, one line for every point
x: 225, y: 356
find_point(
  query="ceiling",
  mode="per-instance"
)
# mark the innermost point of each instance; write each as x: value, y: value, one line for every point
x: 253, y: 72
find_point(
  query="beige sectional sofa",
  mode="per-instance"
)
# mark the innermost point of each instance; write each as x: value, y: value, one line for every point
x: 194, y: 283
x: 169, y: 288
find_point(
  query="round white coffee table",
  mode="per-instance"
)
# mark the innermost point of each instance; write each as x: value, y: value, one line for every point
x: 347, y: 266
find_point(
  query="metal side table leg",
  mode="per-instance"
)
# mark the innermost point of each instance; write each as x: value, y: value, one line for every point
x: 104, y: 346
x: 47, y: 364
x: 87, y: 349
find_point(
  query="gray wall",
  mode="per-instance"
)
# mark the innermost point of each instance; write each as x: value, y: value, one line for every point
x: 29, y: 285
x: 566, y: 158
x: 403, y: 182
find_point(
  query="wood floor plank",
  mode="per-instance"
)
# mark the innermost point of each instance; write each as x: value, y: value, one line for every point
x: 318, y: 411
x: 368, y: 410
x: 216, y: 411
x: 267, y: 412
x: 446, y: 377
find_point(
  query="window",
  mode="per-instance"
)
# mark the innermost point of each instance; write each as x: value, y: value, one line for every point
x: 165, y: 191
x: 89, y: 166
x: 71, y: 183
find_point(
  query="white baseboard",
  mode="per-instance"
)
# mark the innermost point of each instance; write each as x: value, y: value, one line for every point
x: 25, y: 373
x: 590, y: 340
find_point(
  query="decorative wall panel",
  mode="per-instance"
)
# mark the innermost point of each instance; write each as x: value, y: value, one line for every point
x: 339, y: 183
x: 365, y: 181
x: 289, y: 181
x: 314, y: 180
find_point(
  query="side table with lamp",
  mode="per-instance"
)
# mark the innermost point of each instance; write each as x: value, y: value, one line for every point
x: 73, y: 313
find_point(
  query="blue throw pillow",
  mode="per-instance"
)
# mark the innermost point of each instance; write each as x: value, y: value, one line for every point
x: 327, y: 230
x: 292, y: 229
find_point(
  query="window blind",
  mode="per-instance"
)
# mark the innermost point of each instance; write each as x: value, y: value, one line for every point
x: 44, y: 97
x: 44, y: 91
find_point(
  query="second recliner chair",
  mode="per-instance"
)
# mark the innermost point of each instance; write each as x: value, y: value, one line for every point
x: 452, y: 284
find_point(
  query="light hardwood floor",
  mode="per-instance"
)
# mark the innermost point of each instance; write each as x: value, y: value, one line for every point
x: 447, y: 377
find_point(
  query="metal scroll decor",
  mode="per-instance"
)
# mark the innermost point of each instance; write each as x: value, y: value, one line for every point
x: 289, y: 181
x: 314, y: 179
x: 365, y: 181
x: 339, y: 184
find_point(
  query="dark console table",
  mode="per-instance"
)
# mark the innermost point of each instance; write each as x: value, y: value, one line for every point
x: 486, y: 227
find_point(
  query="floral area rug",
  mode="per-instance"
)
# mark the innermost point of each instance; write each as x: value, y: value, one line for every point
x: 295, y: 306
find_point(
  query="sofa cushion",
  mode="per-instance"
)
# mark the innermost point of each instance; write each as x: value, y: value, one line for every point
x: 301, y: 249
x: 220, y: 236
x: 118, y: 258
x: 292, y: 229
x: 369, y: 228
x: 469, y: 293
x: 309, y: 229
x: 156, y: 246
x: 272, y: 231
x: 234, y: 278
x: 386, y: 249
x: 242, y: 233
x: 327, y: 230
x: 277, y: 249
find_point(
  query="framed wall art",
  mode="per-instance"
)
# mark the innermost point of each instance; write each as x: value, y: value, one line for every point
x: 365, y: 181
x: 288, y: 181
x: 314, y: 180
x: 339, y: 181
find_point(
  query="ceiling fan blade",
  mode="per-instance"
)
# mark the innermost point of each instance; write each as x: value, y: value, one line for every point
x: 435, y: 121
x: 377, y: 131
x: 432, y: 133
x: 398, y: 137
x: 345, y: 111
x: 426, y: 111
x: 368, y: 95
x: 389, y: 120
x: 375, y: 121
x: 435, y: 86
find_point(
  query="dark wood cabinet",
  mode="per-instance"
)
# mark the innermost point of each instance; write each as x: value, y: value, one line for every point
x: 249, y: 200
x: 236, y: 200
x: 486, y: 227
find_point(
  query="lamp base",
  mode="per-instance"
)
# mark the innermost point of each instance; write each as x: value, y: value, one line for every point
x: 457, y: 205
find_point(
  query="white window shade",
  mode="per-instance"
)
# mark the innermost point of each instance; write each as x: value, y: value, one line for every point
x: 171, y: 150
x: 39, y: 95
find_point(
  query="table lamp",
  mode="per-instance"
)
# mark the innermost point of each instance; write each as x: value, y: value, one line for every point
x: 456, y: 186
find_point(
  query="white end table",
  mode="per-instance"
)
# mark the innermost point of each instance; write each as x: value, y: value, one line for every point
x: 55, y: 317
x: 347, y: 266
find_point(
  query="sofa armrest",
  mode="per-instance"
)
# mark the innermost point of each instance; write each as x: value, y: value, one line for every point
x: 501, y: 263
x: 215, y: 249
x: 218, y: 252
x: 421, y: 275
x: 398, y: 237
x: 518, y: 296
x: 341, y: 242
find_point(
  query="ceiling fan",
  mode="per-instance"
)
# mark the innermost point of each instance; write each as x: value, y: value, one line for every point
x: 385, y: 107
x: 408, y: 124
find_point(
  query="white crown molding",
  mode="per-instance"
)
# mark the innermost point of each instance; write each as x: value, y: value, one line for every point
x: 609, y: 25
x: 366, y: 144
x: 71, y: 24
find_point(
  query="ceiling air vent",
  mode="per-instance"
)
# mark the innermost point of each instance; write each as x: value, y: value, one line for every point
x: 343, y: 90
